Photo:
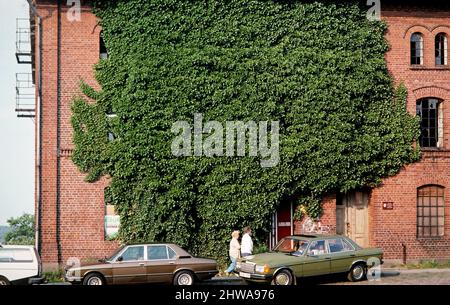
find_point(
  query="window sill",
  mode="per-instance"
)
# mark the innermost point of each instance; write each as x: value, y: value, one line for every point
x: 436, y: 68
x: 434, y: 149
x: 430, y: 238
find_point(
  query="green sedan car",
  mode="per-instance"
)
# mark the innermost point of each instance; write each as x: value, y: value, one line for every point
x: 309, y: 255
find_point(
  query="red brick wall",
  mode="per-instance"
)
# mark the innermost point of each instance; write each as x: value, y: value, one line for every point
x: 82, y: 206
x: 328, y: 218
x: 392, y: 228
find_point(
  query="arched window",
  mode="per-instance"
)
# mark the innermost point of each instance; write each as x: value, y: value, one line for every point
x: 441, y: 47
x: 431, y: 122
x: 416, y: 49
x: 430, y: 211
x: 103, y: 50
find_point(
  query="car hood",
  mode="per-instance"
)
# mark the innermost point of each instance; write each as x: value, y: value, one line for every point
x: 96, y: 265
x: 272, y: 259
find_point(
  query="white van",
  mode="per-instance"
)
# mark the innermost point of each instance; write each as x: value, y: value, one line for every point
x: 19, y: 265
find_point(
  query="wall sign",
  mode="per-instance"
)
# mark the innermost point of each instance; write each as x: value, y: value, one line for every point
x: 388, y: 205
x: 112, y: 222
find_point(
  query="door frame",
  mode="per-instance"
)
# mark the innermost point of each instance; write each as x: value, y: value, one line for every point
x: 345, y: 209
x: 273, y: 239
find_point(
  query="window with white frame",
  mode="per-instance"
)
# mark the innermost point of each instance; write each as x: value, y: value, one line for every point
x: 416, y: 49
x: 441, y: 49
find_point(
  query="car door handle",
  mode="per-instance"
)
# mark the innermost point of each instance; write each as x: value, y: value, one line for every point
x: 172, y: 263
x: 352, y: 255
x: 141, y: 264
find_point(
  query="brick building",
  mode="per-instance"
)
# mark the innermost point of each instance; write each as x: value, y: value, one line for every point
x: 69, y: 212
x: 408, y: 215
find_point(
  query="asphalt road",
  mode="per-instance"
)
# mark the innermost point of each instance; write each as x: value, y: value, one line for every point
x: 388, y: 277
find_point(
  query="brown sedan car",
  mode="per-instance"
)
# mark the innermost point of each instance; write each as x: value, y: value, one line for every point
x: 145, y: 263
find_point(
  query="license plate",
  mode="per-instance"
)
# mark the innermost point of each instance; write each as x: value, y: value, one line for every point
x: 244, y: 274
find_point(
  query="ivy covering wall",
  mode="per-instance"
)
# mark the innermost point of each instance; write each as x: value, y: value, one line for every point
x: 316, y: 67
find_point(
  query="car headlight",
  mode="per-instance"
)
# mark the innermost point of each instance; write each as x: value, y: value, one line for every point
x: 262, y: 269
x: 69, y: 273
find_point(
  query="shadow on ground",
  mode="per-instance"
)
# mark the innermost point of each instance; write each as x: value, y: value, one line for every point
x: 311, y: 281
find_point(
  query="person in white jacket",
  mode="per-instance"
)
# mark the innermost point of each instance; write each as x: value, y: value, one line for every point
x: 247, y: 243
x: 234, y: 251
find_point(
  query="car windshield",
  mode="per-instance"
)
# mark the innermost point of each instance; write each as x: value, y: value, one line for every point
x: 292, y: 245
x: 115, y: 255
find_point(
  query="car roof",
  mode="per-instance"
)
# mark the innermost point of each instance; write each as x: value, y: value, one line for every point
x: 315, y: 236
x: 149, y: 244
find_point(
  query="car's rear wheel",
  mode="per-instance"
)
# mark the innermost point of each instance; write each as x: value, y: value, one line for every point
x: 358, y: 272
x: 4, y: 281
x: 283, y: 277
x: 94, y: 279
x: 184, y: 278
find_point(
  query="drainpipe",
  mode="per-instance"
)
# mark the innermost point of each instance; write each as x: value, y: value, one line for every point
x: 404, y: 253
x: 58, y: 139
x: 34, y: 11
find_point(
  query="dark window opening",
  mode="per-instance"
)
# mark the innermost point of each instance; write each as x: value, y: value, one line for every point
x: 430, y: 211
x: 103, y: 50
x: 441, y: 49
x: 108, y: 196
x: 427, y: 110
x: 416, y: 49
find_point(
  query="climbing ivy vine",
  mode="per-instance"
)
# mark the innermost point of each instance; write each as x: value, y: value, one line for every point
x: 317, y: 67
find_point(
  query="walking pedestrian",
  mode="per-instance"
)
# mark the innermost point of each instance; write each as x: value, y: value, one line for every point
x: 247, y: 242
x: 234, y: 251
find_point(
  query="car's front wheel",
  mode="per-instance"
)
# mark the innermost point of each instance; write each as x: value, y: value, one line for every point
x: 4, y: 281
x: 184, y: 278
x: 358, y: 272
x: 94, y: 279
x: 283, y: 277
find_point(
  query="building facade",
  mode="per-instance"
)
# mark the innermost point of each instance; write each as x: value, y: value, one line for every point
x: 408, y: 215
x: 70, y: 213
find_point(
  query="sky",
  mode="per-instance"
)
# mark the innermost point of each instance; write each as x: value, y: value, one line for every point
x: 16, y: 134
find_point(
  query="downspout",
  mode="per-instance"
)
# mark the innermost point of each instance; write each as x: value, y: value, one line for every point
x: 39, y: 140
x: 58, y: 139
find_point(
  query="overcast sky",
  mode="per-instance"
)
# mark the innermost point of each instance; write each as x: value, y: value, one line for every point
x: 16, y: 135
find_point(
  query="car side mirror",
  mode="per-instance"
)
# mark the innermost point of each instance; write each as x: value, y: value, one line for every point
x: 120, y: 258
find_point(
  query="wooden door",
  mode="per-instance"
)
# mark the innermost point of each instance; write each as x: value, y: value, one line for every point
x: 357, y: 218
x: 352, y: 217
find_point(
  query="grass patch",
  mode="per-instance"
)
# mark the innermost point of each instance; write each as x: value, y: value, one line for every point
x: 54, y: 276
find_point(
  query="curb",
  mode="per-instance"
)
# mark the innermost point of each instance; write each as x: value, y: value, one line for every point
x: 412, y: 271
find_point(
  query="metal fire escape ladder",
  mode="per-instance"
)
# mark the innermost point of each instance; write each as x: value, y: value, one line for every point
x: 25, y: 88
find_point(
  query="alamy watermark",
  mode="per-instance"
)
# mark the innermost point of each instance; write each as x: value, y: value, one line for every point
x: 236, y: 138
x: 74, y: 12
x: 374, y: 12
